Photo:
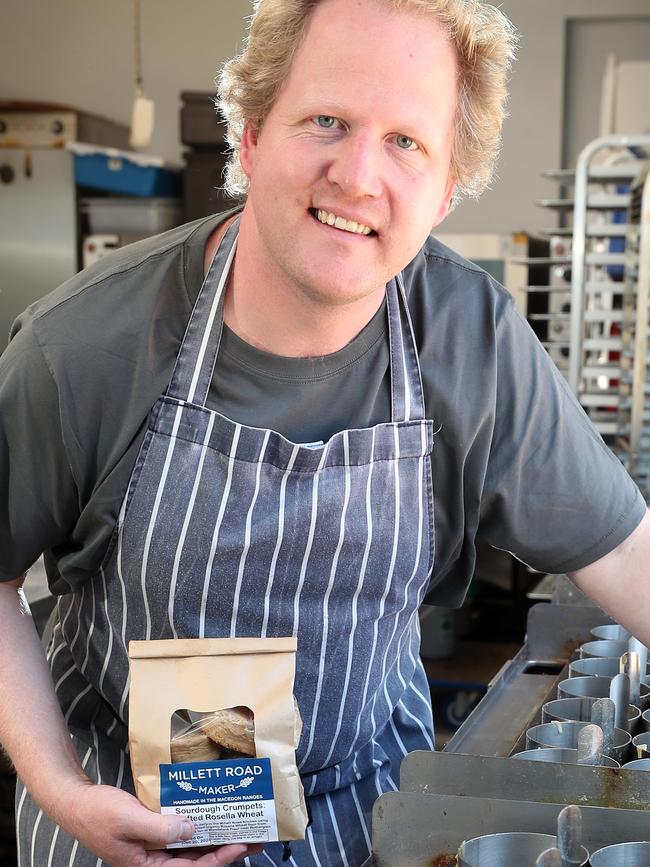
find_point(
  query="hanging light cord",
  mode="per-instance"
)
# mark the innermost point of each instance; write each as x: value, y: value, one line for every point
x: 137, y: 45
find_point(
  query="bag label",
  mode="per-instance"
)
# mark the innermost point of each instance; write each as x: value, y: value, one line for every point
x: 229, y: 801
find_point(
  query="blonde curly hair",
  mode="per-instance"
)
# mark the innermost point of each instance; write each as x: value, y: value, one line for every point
x: 484, y: 40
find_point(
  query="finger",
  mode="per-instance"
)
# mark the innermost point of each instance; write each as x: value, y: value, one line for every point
x: 221, y: 856
x: 159, y: 830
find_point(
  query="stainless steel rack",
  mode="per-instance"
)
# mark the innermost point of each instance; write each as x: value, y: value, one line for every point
x: 598, y: 292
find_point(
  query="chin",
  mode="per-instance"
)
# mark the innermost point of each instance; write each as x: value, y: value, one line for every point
x: 336, y: 295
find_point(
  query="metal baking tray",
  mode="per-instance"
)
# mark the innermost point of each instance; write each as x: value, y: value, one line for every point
x: 414, y: 830
x: 483, y: 777
x: 498, y: 724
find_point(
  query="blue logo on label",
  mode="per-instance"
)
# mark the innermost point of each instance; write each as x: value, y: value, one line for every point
x: 232, y: 780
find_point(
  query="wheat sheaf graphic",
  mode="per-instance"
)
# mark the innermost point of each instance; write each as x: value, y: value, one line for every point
x: 188, y: 787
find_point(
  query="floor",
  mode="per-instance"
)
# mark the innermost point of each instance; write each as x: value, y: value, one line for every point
x: 458, y: 683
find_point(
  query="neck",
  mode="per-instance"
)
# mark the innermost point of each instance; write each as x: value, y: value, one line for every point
x: 283, y: 324
x: 263, y: 308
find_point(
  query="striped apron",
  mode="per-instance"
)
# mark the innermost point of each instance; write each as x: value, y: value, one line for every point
x: 228, y: 530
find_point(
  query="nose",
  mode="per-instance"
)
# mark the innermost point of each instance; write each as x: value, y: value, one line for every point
x: 356, y: 167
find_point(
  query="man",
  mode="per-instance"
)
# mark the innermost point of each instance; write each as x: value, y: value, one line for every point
x: 284, y: 482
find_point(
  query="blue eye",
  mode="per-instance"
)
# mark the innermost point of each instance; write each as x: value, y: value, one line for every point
x: 406, y: 143
x: 325, y: 121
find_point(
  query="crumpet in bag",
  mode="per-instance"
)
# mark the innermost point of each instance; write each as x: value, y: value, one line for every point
x: 213, y: 730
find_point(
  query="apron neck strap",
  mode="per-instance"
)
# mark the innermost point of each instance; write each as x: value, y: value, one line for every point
x: 194, y: 368
x: 407, y: 394
x: 196, y: 359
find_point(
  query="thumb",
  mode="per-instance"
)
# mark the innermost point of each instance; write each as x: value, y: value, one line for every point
x: 161, y: 830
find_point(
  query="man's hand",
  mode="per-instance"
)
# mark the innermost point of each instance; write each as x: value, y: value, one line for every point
x: 106, y: 820
x: 115, y: 826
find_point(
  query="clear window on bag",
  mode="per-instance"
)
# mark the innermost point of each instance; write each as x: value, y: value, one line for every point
x: 228, y: 733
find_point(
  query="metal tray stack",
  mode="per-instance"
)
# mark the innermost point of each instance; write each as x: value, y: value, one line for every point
x: 473, y: 788
x: 636, y: 304
x: 599, y: 270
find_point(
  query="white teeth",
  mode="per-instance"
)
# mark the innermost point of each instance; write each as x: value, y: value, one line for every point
x: 341, y: 223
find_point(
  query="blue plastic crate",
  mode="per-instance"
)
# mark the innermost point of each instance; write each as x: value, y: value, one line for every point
x: 121, y: 172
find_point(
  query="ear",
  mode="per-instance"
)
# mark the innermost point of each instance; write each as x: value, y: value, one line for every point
x: 248, y: 149
x: 445, y: 204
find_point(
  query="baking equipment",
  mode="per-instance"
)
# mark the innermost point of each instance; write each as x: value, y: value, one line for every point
x: 522, y: 848
x: 411, y: 829
x: 621, y: 694
x: 638, y: 764
x: 565, y: 735
x: 580, y: 709
x: 603, y: 715
x: 569, y: 837
x: 641, y: 745
x: 494, y: 850
x: 601, y: 666
x: 599, y: 687
x: 550, y: 858
x: 473, y: 788
x: 635, y: 647
x: 630, y: 666
x: 622, y: 855
x: 589, y: 750
x: 602, y: 647
x: 564, y: 756
x: 611, y: 632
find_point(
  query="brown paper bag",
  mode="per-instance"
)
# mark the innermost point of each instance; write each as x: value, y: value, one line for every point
x: 213, y: 729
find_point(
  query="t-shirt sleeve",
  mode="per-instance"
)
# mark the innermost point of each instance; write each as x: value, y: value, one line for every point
x: 38, y: 497
x: 555, y: 495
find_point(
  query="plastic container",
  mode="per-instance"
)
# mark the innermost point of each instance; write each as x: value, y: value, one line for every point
x: 126, y: 172
x: 133, y: 217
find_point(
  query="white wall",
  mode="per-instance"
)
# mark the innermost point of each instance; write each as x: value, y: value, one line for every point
x: 532, y: 139
x: 81, y: 53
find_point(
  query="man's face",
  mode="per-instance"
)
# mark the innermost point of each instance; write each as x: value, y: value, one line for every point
x: 360, y: 135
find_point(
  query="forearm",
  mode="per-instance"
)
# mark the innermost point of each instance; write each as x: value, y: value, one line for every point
x: 109, y: 822
x: 32, y: 728
x: 620, y: 582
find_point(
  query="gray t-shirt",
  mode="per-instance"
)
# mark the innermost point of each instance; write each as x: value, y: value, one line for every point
x: 514, y: 459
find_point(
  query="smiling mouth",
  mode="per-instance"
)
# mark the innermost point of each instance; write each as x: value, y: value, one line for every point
x: 337, y: 222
